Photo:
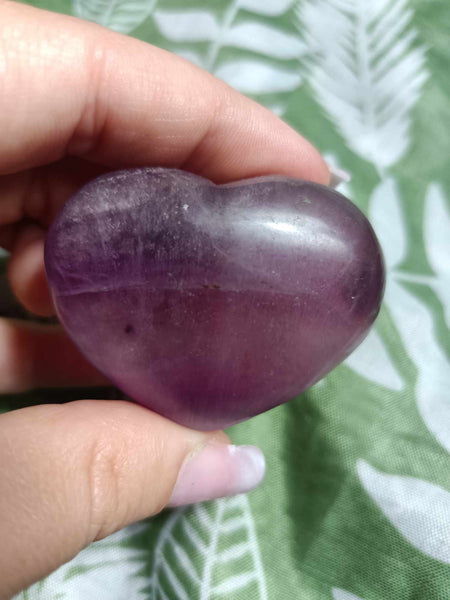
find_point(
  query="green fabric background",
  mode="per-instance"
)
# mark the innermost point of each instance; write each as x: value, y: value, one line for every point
x: 356, y: 502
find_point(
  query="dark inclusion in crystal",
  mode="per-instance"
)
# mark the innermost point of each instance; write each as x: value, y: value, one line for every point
x: 210, y: 304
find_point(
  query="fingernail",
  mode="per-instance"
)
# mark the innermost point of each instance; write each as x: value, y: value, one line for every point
x: 337, y: 176
x: 218, y: 470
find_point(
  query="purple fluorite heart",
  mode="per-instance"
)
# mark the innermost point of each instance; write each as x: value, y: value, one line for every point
x: 210, y: 304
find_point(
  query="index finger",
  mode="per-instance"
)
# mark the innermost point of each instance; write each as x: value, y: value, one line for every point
x: 74, y: 88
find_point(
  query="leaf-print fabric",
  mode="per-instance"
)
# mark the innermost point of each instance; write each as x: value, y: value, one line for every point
x: 363, y: 48
x: 419, y: 510
x: 205, y: 540
x: 355, y: 505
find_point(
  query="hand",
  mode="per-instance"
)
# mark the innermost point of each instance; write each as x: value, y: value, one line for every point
x: 77, y: 100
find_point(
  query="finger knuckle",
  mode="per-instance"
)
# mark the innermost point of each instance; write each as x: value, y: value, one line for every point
x: 106, y: 475
x: 91, y: 121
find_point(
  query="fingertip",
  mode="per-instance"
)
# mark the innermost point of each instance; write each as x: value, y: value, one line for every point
x: 26, y: 271
x: 218, y: 470
x: 76, y: 472
x: 317, y: 169
x: 247, y: 140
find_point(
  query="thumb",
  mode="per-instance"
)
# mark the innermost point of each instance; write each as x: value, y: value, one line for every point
x: 74, y: 473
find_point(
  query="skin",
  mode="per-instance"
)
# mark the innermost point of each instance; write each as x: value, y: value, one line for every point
x: 78, y: 100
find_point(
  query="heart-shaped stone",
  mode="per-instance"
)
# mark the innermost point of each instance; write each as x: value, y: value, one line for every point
x: 210, y: 304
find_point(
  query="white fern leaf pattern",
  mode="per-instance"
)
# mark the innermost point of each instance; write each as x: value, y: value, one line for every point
x: 192, y: 56
x: 200, y: 26
x: 371, y: 360
x: 264, y: 39
x: 387, y: 220
x: 437, y: 242
x: 366, y: 74
x: 415, y: 324
x: 187, y: 25
x: 433, y: 399
x: 252, y: 74
x: 339, y: 594
x: 209, y: 551
x: 119, y: 15
x: 255, y: 77
x: 412, y: 318
x: 113, y: 571
x: 271, y: 8
x: 419, y: 510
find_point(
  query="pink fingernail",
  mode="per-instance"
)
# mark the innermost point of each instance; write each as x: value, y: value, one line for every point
x: 216, y: 471
x: 337, y: 176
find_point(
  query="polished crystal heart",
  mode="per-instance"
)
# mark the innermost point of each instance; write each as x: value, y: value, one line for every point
x: 210, y: 304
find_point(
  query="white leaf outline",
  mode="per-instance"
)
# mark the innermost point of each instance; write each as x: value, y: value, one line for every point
x: 272, y: 8
x: 416, y: 328
x: 412, y: 318
x: 216, y: 527
x: 255, y: 75
x: 437, y: 229
x: 119, y: 15
x: 385, y: 215
x: 191, y: 55
x: 191, y: 25
x: 265, y: 39
x: 339, y: 594
x: 366, y: 74
x: 419, y: 510
x: 125, y: 582
x: 372, y: 361
x: 437, y: 243
x: 199, y: 26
